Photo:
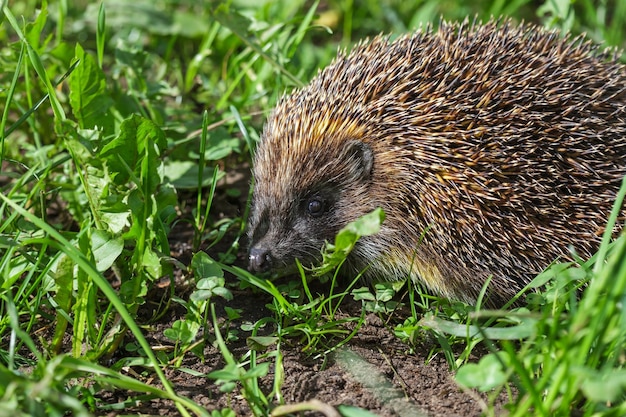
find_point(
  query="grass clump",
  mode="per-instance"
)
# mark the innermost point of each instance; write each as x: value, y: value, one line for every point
x: 572, y: 361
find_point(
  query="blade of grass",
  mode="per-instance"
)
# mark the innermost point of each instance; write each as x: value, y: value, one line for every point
x: 60, y: 24
x: 16, y: 330
x: 2, y: 6
x: 34, y: 108
x: 37, y: 64
x: 248, y: 387
x: 304, y: 25
x: 201, y: 220
x: 608, y: 232
x: 101, y: 34
x: 9, y: 98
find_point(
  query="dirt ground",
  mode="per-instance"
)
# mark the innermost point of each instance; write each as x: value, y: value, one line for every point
x: 374, y: 370
x: 389, y: 382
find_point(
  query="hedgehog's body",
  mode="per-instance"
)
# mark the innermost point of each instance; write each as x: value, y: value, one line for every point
x: 490, y: 148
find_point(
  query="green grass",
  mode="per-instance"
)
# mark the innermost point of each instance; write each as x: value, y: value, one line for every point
x: 112, y: 113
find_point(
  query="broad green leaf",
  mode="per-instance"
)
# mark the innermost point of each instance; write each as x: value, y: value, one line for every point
x: 183, y: 331
x: 228, y: 387
x: 116, y: 217
x: 565, y: 271
x: 366, y: 225
x: 204, y: 267
x: 229, y: 373
x: 363, y: 293
x: 139, y: 216
x: 223, y: 292
x: 15, y: 271
x: 605, y: 386
x: 184, y: 174
x: 105, y: 249
x: 384, y: 291
x: 133, y: 291
x: 232, y: 313
x: 485, y: 375
x: 208, y: 287
x: 166, y: 201
x: 261, y: 342
x: 135, y: 150
x: 210, y: 283
x: 89, y: 98
x: 64, y: 280
x: 199, y: 296
x: 226, y: 412
x: 151, y: 262
x: 259, y: 371
x: 334, y: 255
x: 33, y: 31
x: 525, y: 329
x: 220, y: 144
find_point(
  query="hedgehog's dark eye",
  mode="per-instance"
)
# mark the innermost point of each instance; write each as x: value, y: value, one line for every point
x: 315, y: 206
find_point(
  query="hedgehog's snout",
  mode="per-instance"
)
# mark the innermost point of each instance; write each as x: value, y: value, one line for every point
x: 259, y: 260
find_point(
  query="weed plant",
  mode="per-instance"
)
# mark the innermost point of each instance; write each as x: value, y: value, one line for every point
x: 116, y: 114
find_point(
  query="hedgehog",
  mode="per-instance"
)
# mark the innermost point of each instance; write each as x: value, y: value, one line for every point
x: 494, y: 149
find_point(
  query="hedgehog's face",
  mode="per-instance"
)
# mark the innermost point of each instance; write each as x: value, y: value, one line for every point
x: 301, y: 201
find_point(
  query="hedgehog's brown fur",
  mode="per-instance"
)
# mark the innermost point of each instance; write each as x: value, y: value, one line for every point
x: 500, y: 145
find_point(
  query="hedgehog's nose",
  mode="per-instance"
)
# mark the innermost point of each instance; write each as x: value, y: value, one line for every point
x: 260, y: 260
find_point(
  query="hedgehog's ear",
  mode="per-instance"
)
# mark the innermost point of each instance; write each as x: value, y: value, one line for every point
x: 360, y: 157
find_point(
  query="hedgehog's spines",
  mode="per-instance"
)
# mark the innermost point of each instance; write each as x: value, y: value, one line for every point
x: 506, y: 142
